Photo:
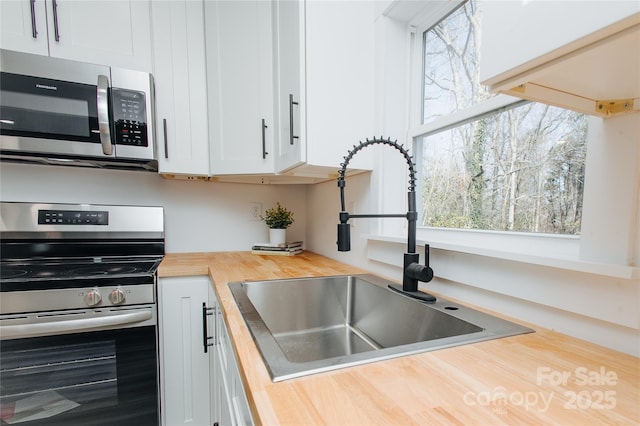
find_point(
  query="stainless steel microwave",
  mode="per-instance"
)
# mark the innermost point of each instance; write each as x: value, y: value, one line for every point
x: 57, y: 111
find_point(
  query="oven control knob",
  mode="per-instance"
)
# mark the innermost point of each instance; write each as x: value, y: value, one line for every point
x: 117, y: 296
x: 93, y: 297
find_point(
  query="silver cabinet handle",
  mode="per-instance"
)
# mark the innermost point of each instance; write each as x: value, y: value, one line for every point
x: 291, y: 104
x: 103, y: 114
x: 34, y: 28
x: 56, y: 29
x: 264, y: 142
x: 56, y: 327
x: 166, y: 142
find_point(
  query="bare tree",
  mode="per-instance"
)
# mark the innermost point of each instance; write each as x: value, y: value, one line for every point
x: 519, y: 170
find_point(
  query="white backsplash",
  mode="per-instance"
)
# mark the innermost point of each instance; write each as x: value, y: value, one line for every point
x: 199, y: 216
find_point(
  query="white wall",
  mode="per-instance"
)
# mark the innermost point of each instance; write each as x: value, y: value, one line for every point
x: 612, y: 191
x: 199, y: 216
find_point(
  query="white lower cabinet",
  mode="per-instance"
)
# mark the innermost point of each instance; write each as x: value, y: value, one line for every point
x: 199, y: 379
x: 234, y: 407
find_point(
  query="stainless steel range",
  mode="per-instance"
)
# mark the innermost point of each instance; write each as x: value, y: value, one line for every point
x: 78, y: 313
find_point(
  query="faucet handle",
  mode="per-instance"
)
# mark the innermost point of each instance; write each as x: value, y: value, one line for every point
x: 426, y: 264
x: 415, y: 270
x: 420, y: 272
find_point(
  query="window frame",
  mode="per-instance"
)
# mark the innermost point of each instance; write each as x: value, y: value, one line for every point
x: 563, y: 251
x: 417, y: 130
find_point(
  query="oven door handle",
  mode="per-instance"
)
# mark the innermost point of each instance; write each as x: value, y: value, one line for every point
x: 69, y: 326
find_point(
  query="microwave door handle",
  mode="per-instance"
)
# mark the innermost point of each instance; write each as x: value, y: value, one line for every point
x: 103, y: 114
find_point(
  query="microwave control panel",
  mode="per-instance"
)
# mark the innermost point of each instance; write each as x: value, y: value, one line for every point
x: 129, y: 117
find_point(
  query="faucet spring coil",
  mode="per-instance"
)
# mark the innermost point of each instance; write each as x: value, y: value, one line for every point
x: 382, y: 141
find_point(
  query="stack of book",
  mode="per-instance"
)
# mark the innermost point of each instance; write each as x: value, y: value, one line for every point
x: 286, y: 249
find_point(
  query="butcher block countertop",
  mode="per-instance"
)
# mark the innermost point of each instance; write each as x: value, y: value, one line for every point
x: 538, y: 378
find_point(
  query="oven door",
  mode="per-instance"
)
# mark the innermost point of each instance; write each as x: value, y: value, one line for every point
x: 106, y: 375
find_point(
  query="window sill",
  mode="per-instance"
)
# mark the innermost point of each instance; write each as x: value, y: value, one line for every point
x: 567, y: 260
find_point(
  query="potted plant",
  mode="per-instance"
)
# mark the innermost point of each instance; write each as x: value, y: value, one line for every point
x: 278, y: 219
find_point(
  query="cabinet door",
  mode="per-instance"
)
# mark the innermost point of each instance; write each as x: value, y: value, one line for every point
x: 24, y: 26
x: 224, y: 383
x: 339, y: 76
x: 326, y: 55
x: 240, y: 77
x: 180, y: 81
x: 115, y: 33
x: 184, y: 363
x: 291, y: 139
x: 214, y: 368
x: 239, y: 403
x: 224, y: 413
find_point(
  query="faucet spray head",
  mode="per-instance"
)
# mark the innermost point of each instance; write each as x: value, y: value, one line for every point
x: 344, y: 233
x: 344, y: 237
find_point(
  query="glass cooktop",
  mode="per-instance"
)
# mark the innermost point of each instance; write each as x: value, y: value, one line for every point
x: 76, y: 269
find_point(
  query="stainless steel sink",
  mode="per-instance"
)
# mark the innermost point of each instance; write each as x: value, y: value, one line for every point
x: 310, y: 325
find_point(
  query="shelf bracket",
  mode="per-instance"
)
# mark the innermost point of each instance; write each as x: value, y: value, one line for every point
x: 611, y: 107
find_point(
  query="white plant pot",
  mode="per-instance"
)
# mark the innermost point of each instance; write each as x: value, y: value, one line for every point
x: 277, y: 236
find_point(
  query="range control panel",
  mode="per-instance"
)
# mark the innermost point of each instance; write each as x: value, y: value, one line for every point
x: 130, y: 117
x: 72, y: 217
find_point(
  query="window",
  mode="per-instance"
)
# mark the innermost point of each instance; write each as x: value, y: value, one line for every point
x: 491, y: 162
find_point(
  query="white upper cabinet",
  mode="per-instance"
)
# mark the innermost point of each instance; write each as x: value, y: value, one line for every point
x: 289, y: 39
x: 325, y: 62
x: 290, y: 88
x: 179, y: 71
x: 115, y: 33
x: 239, y: 45
x: 24, y: 26
x: 583, y: 56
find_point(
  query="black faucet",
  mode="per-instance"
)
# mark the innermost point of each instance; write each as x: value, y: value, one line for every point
x: 413, y: 270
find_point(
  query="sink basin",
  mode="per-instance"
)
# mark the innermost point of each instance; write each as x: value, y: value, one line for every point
x: 310, y: 325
